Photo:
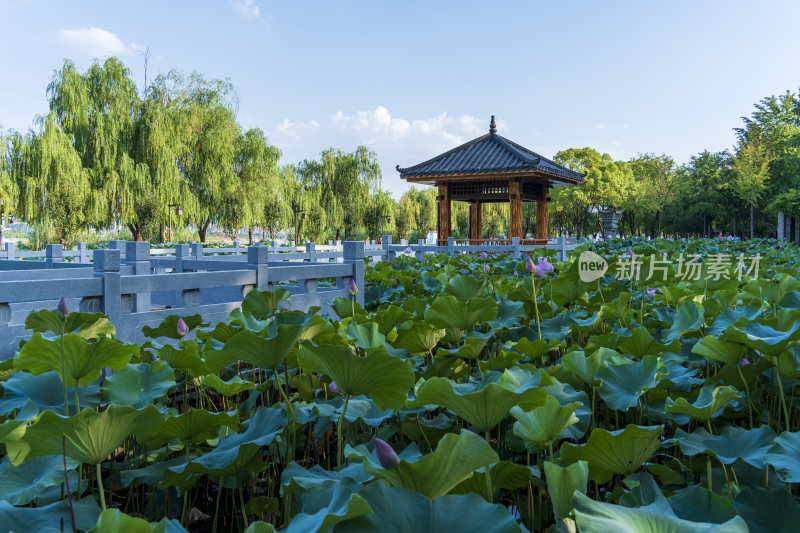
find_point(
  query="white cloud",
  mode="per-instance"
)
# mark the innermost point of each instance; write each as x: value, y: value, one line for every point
x: 96, y: 42
x: 600, y: 127
x: 247, y: 8
x: 396, y: 140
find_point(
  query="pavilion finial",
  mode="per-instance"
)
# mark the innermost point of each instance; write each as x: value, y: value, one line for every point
x: 492, y: 126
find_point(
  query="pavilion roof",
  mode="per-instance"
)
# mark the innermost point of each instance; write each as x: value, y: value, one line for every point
x: 491, y: 154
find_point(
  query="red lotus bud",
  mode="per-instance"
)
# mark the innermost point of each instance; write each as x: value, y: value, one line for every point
x: 353, y: 288
x: 61, y: 310
x: 386, y: 455
x: 182, y: 328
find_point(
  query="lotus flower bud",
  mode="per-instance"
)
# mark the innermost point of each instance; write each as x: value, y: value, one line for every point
x: 529, y: 266
x: 61, y: 310
x: 353, y: 288
x: 629, y: 252
x: 407, y: 250
x: 396, y: 281
x: 386, y: 455
x: 651, y: 293
x: 745, y: 362
x: 487, y: 268
x: 516, y: 273
x: 484, y: 255
x: 182, y: 328
x: 332, y: 388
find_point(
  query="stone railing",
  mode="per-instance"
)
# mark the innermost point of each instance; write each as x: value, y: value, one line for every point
x: 137, y: 289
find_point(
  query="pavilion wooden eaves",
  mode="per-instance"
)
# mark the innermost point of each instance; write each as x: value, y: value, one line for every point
x: 489, y: 169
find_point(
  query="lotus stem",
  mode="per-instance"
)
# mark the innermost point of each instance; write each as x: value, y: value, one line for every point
x: 64, y: 372
x: 216, y: 506
x: 339, y: 449
x: 747, y: 394
x: 66, y: 482
x: 783, y: 396
x: 100, y: 486
x: 241, y: 502
x: 536, y: 307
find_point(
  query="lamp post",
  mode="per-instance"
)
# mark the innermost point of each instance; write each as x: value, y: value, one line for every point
x: 178, y: 212
x: 303, y: 216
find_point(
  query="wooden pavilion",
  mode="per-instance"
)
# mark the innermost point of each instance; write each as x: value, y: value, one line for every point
x: 491, y: 169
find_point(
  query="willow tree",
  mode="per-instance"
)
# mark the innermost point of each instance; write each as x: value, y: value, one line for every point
x: 658, y: 174
x: 751, y: 172
x: 256, y: 168
x: 9, y: 192
x: 207, y: 132
x: 54, y: 187
x: 345, y: 182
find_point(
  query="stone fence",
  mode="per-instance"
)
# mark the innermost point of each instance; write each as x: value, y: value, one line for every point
x: 136, y: 289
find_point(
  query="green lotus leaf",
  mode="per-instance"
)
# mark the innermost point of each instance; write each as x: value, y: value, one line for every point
x: 709, y: 403
x: 85, y: 325
x: 260, y: 527
x: 231, y: 387
x: 45, y: 392
x: 623, y: 384
x: 585, y: 367
x: 449, y: 311
x: 614, y: 452
x: 563, y: 482
x: 344, y: 307
x: 192, y: 426
x: 464, y: 287
x: 688, y: 317
x: 139, y: 385
x: 641, y: 343
x: 365, y: 336
x: 185, y: 357
x: 53, y: 517
x: 483, y: 404
x: 421, y: 337
x: 430, y: 283
x: 471, y: 349
x: 90, y: 436
x: 169, y: 327
x: 568, y: 286
x: 455, y: 459
x: 296, y: 478
x: 252, y: 348
x: 239, y: 320
x: 509, y: 314
x: 540, y: 427
x: 556, y: 327
x: 697, y: 504
x: 505, y: 475
x: 83, y: 361
x: 658, y: 517
x: 768, y: 509
x: 152, y: 474
x: 262, y: 304
x: 343, y: 504
x: 398, y: 510
x: 762, y: 337
x: 537, y: 348
x: 363, y: 409
x: 715, y: 349
x: 115, y: 521
x: 788, y: 362
x: 729, y: 317
x: 389, y: 317
x: 384, y: 378
x: 732, y: 444
x: 239, y: 452
x: 25, y: 482
x: 784, y: 458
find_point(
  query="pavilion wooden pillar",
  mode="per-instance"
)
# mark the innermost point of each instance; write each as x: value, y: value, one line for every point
x: 515, y: 208
x: 542, y: 215
x: 475, y: 225
x: 443, y: 207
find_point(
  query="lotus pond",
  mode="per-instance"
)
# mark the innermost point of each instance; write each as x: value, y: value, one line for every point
x: 484, y: 394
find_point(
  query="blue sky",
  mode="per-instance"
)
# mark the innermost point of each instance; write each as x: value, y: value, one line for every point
x: 412, y: 79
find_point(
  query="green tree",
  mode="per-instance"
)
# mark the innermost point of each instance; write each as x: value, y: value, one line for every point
x: 9, y: 192
x: 751, y: 172
x: 256, y: 167
x: 657, y: 174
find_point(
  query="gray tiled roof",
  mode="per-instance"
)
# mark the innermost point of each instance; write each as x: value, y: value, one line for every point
x: 487, y: 154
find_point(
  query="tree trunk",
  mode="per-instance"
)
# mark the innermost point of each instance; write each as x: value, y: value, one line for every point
x: 751, y: 221
x: 735, y: 217
x: 137, y: 235
x: 1, y: 228
x: 338, y: 232
x: 250, y: 234
x: 202, y: 228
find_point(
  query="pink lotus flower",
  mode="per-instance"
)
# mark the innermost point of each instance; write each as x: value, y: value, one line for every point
x: 629, y: 252
x: 61, y: 310
x: 182, y: 328
x: 517, y: 273
x: 407, y: 250
x: 484, y: 255
x: 745, y: 362
x: 651, y: 293
x: 544, y: 267
x: 487, y: 268
x: 332, y: 387
x: 353, y: 288
x: 386, y: 455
